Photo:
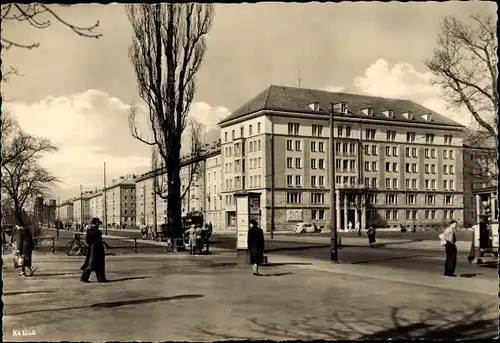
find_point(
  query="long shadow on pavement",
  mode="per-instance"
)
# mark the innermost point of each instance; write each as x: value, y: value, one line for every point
x: 390, y: 259
x: 286, y: 264
x: 304, y: 247
x: 112, y: 304
x: 27, y: 292
x: 147, y: 301
x: 129, y: 278
x: 276, y: 274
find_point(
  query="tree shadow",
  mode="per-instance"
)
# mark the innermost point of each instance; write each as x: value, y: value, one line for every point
x: 111, y: 304
x: 26, y: 292
x: 475, y: 323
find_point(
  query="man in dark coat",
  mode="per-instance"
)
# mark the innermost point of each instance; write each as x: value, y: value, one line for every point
x: 95, y: 259
x: 25, y: 246
x: 255, y: 240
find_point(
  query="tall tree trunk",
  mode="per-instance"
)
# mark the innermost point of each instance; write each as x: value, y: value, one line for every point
x: 18, y: 214
x: 174, y: 212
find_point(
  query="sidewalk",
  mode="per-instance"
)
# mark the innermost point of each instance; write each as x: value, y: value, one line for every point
x: 197, y: 298
x: 363, y: 241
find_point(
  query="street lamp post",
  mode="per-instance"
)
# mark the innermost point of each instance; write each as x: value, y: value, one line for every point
x: 105, y: 204
x: 333, y: 225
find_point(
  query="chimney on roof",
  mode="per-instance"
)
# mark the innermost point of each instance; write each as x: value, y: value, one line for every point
x: 389, y: 113
x: 340, y: 107
x: 368, y: 111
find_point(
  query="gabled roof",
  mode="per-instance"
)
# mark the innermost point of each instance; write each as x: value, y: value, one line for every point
x: 292, y: 99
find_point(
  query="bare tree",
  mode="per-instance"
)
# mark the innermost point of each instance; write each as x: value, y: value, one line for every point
x: 39, y: 16
x: 465, y: 65
x: 23, y: 178
x: 167, y: 50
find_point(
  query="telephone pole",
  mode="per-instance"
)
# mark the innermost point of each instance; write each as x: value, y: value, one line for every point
x: 105, y: 204
x: 333, y: 224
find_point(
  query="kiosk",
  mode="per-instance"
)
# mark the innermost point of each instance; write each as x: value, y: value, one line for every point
x: 485, y: 234
x: 247, y: 208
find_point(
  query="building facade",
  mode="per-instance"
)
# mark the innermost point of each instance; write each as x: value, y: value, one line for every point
x: 396, y: 162
x: 81, y: 208
x: 66, y: 212
x: 96, y: 204
x: 213, y: 181
x: 121, y: 202
x: 480, y: 171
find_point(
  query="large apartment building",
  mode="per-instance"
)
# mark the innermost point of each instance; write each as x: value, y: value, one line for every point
x: 213, y: 181
x: 81, y: 208
x: 396, y: 162
x: 192, y: 187
x: 120, y: 204
x: 65, y: 212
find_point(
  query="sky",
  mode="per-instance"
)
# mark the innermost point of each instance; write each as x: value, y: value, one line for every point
x: 78, y: 91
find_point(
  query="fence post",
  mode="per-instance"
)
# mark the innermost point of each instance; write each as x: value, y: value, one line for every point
x: 53, y: 246
x: 135, y: 245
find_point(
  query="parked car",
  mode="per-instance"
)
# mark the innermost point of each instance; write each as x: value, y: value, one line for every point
x: 306, y: 228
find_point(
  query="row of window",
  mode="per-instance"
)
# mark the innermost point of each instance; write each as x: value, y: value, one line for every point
x: 242, y: 132
x: 296, y: 180
x: 414, y: 214
x: 346, y: 130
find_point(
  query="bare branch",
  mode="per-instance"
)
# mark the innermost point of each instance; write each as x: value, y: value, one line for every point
x: 33, y: 15
x: 465, y: 65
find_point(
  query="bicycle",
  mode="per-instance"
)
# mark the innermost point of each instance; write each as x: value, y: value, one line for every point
x: 78, y: 247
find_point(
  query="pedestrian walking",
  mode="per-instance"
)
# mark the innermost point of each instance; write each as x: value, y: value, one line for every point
x: 95, y: 259
x: 206, y: 237
x: 449, y: 239
x: 255, y: 241
x: 199, y: 239
x: 25, y: 245
x: 371, y: 235
x: 191, y: 233
x: 349, y: 227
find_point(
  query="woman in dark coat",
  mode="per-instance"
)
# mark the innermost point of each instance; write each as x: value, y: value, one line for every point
x: 371, y: 235
x: 256, y: 245
x: 95, y: 259
x: 25, y: 246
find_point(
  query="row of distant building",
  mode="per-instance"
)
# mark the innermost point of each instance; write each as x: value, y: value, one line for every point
x: 396, y: 164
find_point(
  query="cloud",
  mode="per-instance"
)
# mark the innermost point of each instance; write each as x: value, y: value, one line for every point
x: 333, y: 89
x: 91, y: 128
x: 403, y: 81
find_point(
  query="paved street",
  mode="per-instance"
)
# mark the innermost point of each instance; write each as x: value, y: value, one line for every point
x: 405, y: 258
x: 195, y: 298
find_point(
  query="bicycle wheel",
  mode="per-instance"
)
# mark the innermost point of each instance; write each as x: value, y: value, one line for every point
x: 73, y: 248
